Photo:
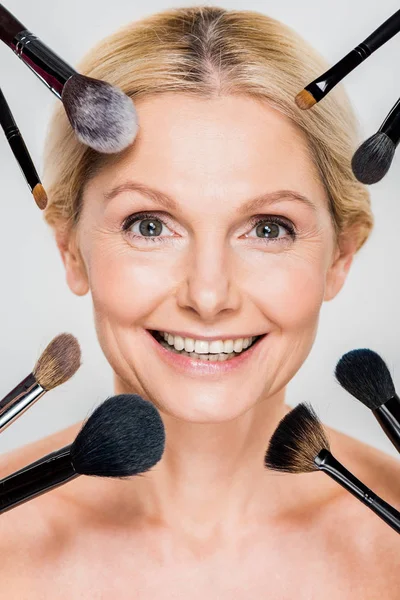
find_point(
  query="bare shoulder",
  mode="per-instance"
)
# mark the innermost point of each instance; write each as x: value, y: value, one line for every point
x: 378, y: 470
x: 16, y: 459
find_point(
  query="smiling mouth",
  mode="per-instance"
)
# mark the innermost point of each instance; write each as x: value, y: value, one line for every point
x: 216, y: 351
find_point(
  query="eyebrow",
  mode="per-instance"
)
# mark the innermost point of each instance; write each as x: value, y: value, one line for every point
x: 252, y: 205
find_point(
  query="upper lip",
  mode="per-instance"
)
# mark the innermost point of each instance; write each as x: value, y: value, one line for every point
x: 209, y: 338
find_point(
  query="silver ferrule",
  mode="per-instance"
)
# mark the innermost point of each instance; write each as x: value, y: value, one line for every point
x: 52, y: 70
x: 19, y: 400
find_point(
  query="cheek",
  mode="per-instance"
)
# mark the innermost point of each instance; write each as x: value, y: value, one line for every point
x: 291, y: 292
x: 126, y: 286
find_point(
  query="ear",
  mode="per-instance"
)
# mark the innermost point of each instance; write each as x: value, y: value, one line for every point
x: 75, y: 269
x: 346, y: 247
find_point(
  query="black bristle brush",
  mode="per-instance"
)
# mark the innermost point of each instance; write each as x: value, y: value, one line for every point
x: 102, y: 116
x: 300, y: 445
x: 320, y: 87
x: 365, y: 375
x: 123, y: 437
x: 372, y: 160
x: 21, y: 153
x: 58, y: 362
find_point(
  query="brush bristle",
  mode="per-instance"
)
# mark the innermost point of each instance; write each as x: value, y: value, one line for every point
x: 123, y: 437
x: 40, y: 196
x: 102, y: 116
x: 373, y: 158
x: 305, y: 100
x: 9, y: 26
x: 59, y: 361
x: 296, y: 442
x: 365, y: 375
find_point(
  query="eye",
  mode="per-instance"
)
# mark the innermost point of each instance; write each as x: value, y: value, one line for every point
x: 272, y: 228
x: 146, y: 226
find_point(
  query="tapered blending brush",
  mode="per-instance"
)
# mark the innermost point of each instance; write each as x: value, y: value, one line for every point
x: 102, y: 116
x: 365, y: 375
x: 320, y: 87
x: 372, y: 160
x: 21, y: 153
x: 123, y: 437
x: 59, y: 362
x: 300, y: 445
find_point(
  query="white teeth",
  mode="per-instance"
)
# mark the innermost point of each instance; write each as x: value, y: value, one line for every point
x: 201, y: 347
x: 238, y: 345
x: 216, y: 347
x: 189, y: 345
x: 216, y: 350
x: 179, y: 344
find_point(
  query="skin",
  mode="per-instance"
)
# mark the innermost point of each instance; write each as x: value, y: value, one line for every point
x: 208, y: 521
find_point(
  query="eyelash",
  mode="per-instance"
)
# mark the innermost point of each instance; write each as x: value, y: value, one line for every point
x: 254, y: 221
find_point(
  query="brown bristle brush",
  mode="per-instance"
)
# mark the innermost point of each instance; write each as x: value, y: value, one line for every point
x: 58, y: 363
x: 21, y: 153
x: 320, y: 87
x: 300, y: 445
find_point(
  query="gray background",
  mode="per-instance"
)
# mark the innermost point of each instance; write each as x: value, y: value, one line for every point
x: 35, y: 302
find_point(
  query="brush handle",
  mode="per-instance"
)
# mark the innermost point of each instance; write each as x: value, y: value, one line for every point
x: 35, y: 479
x: 384, y: 33
x: 391, y: 125
x: 17, y: 144
x: 321, y: 86
x: 9, y: 25
x: 19, y: 400
x: 48, y: 66
x: 388, y: 417
x: 326, y: 462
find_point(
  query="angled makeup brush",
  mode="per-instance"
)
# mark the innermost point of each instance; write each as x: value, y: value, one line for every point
x: 372, y: 160
x: 320, y: 87
x: 59, y: 362
x: 123, y: 437
x: 365, y: 375
x: 102, y: 116
x: 21, y: 153
x: 299, y: 445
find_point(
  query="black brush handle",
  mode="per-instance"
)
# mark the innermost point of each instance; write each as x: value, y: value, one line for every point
x: 321, y: 86
x: 326, y: 462
x: 52, y: 70
x: 388, y: 416
x: 17, y: 143
x: 384, y: 33
x: 35, y: 479
x: 391, y: 125
x: 9, y: 25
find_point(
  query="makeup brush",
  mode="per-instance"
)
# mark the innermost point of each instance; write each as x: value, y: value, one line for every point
x: 102, y: 116
x: 58, y: 363
x: 320, y: 87
x: 372, y: 160
x: 365, y: 375
x: 123, y: 437
x: 21, y: 153
x: 299, y: 445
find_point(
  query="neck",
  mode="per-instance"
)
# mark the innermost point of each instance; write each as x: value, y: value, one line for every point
x: 213, y: 474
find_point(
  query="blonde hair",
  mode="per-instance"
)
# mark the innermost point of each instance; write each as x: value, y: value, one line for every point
x: 208, y: 51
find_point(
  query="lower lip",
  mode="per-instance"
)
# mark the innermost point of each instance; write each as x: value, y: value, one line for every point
x: 190, y: 365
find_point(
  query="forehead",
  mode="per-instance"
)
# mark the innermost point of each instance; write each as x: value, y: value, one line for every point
x: 237, y: 145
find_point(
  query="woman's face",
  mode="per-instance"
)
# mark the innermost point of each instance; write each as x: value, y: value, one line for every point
x: 212, y: 229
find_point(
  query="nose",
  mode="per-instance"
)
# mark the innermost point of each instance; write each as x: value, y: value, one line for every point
x: 209, y: 287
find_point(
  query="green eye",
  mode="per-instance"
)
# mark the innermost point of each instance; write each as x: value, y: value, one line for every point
x: 150, y: 227
x: 267, y: 229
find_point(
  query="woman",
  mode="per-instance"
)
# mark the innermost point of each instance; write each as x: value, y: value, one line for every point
x: 208, y: 248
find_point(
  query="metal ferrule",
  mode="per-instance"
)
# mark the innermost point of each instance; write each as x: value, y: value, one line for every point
x: 50, y: 68
x: 19, y: 400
